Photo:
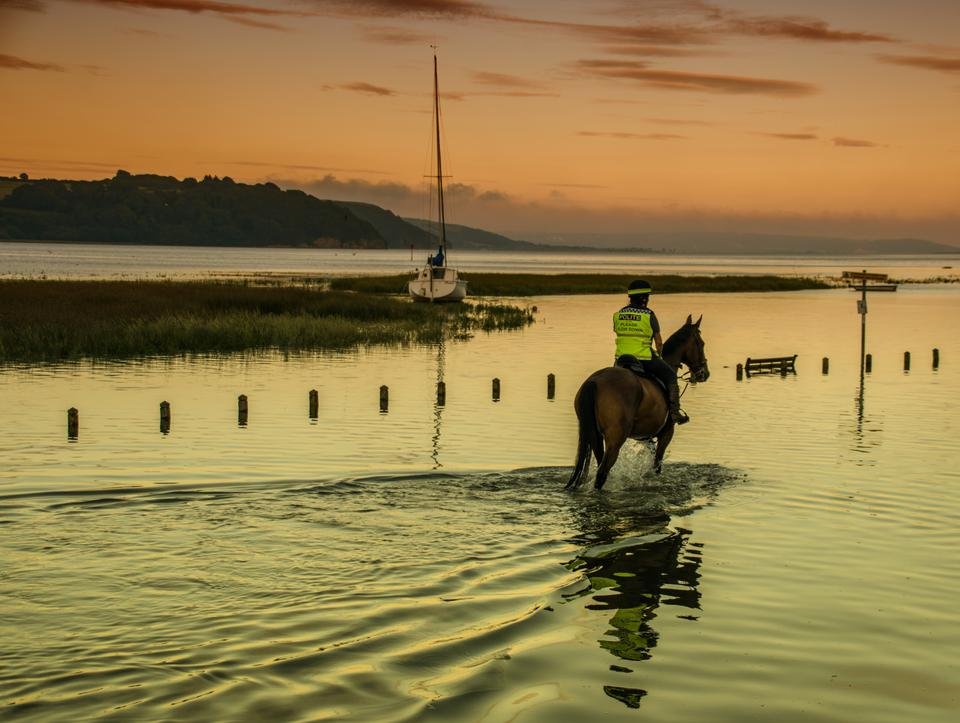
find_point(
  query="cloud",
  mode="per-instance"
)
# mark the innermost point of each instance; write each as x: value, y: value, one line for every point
x: 654, y: 51
x: 143, y: 33
x: 928, y: 62
x: 799, y: 29
x: 35, y: 6
x: 361, y: 87
x: 632, y: 136
x: 215, y: 7
x: 791, y: 136
x: 400, y: 198
x: 682, y: 80
x: 504, y: 80
x: 511, y: 94
x: 253, y: 23
x: 715, y: 23
x: 389, y: 194
x: 854, y: 143
x: 514, y: 85
x: 449, y: 9
x: 12, y: 62
x: 394, y: 35
x: 679, y: 122
x: 632, y: 34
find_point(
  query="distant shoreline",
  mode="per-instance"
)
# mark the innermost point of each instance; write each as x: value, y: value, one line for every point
x: 535, y: 248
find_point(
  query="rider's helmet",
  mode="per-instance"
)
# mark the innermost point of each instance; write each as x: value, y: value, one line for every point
x: 638, y: 292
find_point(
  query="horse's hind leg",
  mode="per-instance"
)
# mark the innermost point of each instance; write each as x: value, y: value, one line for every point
x: 614, y: 440
x: 581, y: 466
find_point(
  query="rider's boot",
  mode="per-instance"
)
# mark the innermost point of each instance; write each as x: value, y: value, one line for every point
x: 677, y: 414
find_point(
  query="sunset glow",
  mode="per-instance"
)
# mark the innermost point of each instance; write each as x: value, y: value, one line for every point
x: 778, y: 116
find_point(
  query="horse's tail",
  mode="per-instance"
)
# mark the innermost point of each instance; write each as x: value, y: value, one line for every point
x: 589, y: 439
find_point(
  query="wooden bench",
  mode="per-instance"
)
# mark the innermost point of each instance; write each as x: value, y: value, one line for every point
x: 771, y: 365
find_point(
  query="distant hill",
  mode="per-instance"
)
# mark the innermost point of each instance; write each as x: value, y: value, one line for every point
x: 716, y: 243
x: 149, y: 209
x: 465, y: 237
x: 475, y: 239
x: 398, y: 233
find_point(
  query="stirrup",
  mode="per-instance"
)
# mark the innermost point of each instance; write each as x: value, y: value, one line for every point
x: 679, y: 416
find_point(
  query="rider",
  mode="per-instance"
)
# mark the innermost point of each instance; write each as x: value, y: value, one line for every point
x: 636, y: 326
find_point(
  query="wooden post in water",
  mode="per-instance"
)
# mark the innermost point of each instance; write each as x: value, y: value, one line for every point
x: 73, y: 424
x: 826, y: 366
x: 242, y: 410
x: 441, y: 393
x: 384, y: 399
x: 164, y: 417
x: 314, y: 404
x: 906, y: 361
x: 868, y: 363
x: 496, y: 389
x: 739, y: 372
x: 862, y: 308
x: 551, y: 385
x: 936, y: 359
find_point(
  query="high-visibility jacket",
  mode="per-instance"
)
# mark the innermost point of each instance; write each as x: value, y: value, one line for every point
x: 634, y: 329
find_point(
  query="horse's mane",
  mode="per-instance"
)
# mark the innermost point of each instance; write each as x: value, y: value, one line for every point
x: 678, y: 339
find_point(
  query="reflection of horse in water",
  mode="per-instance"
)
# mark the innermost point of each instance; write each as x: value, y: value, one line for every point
x: 637, y: 566
x: 614, y: 404
x: 630, y: 583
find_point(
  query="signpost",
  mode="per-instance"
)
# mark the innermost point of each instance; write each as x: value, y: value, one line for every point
x: 863, y: 277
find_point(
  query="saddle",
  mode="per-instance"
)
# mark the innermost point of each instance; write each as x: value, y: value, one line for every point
x: 629, y: 361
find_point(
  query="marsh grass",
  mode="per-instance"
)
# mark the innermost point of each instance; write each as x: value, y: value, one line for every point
x: 50, y: 320
x: 545, y: 285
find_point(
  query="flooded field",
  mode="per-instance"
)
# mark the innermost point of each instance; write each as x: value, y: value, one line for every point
x: 794, y: 562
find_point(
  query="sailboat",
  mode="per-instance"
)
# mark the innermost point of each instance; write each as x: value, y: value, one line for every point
x: 437, y: 281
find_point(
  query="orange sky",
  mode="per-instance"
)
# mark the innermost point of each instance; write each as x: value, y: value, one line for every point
x: 785, y: 116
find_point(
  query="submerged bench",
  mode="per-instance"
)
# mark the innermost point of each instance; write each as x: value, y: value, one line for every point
x: 771, y: 365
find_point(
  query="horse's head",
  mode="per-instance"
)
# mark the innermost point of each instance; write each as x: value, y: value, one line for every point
x: 691, y: 350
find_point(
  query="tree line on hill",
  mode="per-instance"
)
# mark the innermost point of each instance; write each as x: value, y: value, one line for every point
x: 151, y: 209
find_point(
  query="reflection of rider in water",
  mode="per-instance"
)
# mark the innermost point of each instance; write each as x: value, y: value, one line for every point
x: 636, y: 326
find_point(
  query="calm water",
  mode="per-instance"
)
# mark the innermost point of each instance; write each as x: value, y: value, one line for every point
x: 796, y: 561
x: 55, y: 260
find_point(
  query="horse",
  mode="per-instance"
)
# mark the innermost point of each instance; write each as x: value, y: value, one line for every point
x: 614, y: 403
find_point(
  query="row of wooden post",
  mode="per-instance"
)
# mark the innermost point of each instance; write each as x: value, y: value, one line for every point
x: 867, y: 364
x: 243, y: 407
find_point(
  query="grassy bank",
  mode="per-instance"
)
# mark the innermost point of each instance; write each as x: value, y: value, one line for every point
x: 545, y: 285
x: 50, y: 320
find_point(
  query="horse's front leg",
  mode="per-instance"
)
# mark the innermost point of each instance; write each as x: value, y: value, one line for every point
x: 663, y: 441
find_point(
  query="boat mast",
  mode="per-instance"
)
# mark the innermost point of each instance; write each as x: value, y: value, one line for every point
x: 436, y: 113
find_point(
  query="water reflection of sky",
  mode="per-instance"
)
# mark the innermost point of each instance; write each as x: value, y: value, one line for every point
x: 121, y: 261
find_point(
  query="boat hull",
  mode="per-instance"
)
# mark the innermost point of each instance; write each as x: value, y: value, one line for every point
x: 437, y: 284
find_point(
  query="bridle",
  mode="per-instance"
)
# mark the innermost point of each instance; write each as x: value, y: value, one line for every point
x: 692, y: 376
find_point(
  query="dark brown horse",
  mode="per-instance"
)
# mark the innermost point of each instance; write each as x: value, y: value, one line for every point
x: 614, y: 404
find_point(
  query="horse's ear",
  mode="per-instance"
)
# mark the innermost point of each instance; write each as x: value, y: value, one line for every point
x: 698, y: 321
x: 689, y: 319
